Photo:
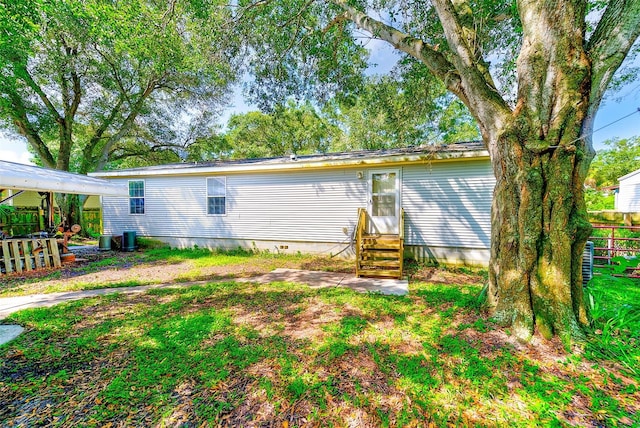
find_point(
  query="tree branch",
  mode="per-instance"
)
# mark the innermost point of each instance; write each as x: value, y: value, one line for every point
x: 467, y: 76
x: 77, y: 93
x: 617, y: 31
x: 435, y: 61
x: 296, y: 16
x: 485, y: 102
x: 26, y: 76
x: 27, y: 130
x: 116, y: 74
x: 126, y: 123
x: 88, y: 152
x: 245, y: 9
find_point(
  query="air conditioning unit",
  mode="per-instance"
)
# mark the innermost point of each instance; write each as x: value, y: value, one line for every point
x: 587, y: 263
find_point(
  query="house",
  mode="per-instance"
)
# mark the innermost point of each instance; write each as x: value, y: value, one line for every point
x: 628, y: 197
x: 437, y: 200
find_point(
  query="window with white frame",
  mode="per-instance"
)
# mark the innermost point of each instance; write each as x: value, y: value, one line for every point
x: 136, y: 197
x: 217, y: 195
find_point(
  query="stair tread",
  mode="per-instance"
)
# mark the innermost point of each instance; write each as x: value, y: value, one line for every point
x: 381, y: 253
x: 382, y: 244
x: 381, y: 263
x: 381, y: 273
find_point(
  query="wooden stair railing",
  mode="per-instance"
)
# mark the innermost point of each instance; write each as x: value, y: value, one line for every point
x: 401, y: 236
x: 360, y: 228
x: 379, y: 255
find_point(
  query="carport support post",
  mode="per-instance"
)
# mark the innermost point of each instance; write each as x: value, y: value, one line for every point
x: 50, y: 224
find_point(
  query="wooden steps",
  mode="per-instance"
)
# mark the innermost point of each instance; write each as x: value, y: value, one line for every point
x: 380, y: 256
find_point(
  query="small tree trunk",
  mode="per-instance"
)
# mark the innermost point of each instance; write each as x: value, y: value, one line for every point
x: 69, y: 209
x: 539, y: 230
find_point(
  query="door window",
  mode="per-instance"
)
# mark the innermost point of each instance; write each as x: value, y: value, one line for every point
x: 383, y: 194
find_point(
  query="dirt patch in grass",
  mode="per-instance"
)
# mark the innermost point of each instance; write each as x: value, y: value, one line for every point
x: 444, y: 275
x: 97, y: 269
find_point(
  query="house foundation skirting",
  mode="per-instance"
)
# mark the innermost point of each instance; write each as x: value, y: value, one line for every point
x: 342, y: 250
x: 449, y: 255
x: 443, y: 255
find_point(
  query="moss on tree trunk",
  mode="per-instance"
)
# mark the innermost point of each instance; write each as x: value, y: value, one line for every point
x: 539, y: 230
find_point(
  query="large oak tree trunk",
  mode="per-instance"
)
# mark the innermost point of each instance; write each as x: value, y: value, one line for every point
x: 70, y: 209
x: 539, y: 230
x: 540, y: 159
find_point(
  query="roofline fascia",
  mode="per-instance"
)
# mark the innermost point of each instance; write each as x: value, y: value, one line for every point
x: 299, y: 165
x: 37, y: 179
x: 627, y: 176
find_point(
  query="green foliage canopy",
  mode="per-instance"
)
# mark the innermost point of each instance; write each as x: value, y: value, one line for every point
x: 408, y: 107
x: 289, y: 129
x: 93, y: 82
x: 619, y: 158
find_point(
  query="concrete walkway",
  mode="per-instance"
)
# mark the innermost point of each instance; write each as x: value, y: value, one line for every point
x: 315, y: 279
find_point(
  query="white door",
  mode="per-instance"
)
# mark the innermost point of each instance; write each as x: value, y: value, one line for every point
x: 384, y: 201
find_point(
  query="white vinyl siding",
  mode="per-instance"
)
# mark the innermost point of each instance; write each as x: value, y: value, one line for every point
x: 628, y: 200
x: 448, y: 204
x: 313, y: 206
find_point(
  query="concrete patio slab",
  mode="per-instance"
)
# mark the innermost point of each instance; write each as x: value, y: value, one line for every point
x: 9, y: 332
x: 398, y: 287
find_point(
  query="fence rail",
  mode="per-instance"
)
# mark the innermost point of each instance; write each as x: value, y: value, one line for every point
x: 611, y: 242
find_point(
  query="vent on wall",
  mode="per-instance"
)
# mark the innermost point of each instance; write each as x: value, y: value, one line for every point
x: 587, y: 263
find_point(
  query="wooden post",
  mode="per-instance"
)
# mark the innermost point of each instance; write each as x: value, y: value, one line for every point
x: 54, y: 252
x: 16, y: 255
x: 6, y: 254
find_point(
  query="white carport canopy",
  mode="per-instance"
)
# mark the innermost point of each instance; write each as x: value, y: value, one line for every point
x: 26, y: 177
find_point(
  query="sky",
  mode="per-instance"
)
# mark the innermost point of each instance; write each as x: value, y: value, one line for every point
x: 626, y: 102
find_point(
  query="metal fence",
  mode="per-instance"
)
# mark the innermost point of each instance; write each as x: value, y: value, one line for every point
x: 616, y: 248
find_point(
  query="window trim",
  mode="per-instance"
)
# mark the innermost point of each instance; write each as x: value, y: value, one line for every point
x: 206, y: 182
x: 143, y: 197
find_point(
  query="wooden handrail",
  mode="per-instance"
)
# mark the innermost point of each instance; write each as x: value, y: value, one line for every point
x: 360, y: 228
x: 401, y: 235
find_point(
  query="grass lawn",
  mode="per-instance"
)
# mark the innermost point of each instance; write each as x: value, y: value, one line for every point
x: 283, y: 354
x: 159, y: 265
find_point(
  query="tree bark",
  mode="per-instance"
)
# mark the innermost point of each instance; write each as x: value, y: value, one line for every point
x: 540, y: 160
x: 539, y: 230
x: 70, y: 209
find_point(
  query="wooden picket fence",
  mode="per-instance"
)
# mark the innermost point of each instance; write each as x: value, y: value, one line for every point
x: 27, y: 254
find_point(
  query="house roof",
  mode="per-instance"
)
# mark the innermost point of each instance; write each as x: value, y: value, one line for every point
x: 27, y: 177
x: 330, y: 160
x: 628, y: 176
